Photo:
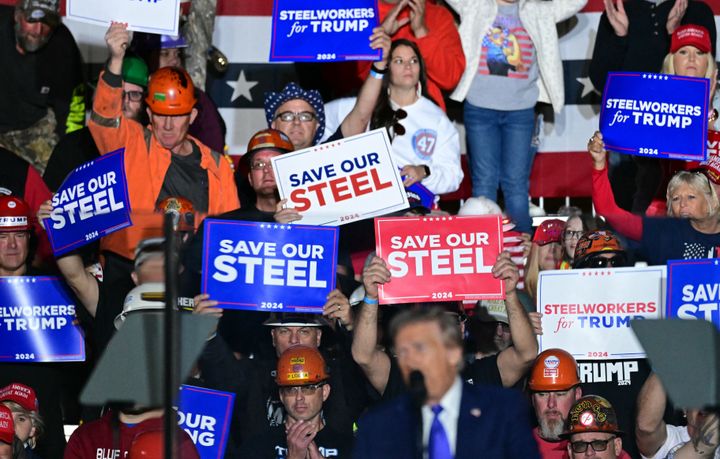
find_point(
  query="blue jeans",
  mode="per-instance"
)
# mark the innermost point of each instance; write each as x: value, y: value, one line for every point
x: 500, y: 155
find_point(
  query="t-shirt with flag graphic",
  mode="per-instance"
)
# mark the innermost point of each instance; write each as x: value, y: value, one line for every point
x: 666, y: 239
x: 507, y: 72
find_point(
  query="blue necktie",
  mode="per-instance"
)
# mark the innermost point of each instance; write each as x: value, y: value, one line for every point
x: 438, y: 446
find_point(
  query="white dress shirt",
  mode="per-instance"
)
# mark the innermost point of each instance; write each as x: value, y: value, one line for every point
x: 448, y: 416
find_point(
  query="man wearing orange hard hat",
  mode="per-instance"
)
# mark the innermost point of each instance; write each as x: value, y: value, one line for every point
x: 162, y: 159
x: 303, y: 380
x: 554, y: 386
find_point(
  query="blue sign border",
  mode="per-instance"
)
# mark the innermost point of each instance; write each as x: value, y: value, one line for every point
x: 369, y: 55
x: 210, y: 222
x: 228, y: 413
x: 700, y: 148
x: 57, y: 287
x: 81, y: 241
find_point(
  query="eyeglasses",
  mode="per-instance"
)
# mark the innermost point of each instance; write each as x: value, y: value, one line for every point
x: 289, y: 117
x: 398, y: 129
x: 601, y: 262
x: 261, y: 165
x: 572, y: 234
x: 597, y: 445
x: 134, y: 96
x: 309, y: 389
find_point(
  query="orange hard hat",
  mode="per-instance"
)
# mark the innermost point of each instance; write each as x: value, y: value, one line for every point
x: 591, y: 413
x: 171, y: 92
x: 553, y: 370
x: 148, y: 445
x: 182, y: 211
x: 300, y: 365
x: 270, y: 138
x: 15, y: 214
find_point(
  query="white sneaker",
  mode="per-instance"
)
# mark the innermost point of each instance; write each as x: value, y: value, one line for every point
x: 536, y: 211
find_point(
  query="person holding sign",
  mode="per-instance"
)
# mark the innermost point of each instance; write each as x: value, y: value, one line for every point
x: 304, y: 384
x: 691, y: 232
x: 301, y: 114
x: 162, y: 159
x: 502, y: 369
x: 513, y: 61
x: 690, y: 55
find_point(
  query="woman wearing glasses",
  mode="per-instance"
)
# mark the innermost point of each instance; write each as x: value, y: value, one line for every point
x: 575, y: 226
x: 692, y: 232
x: 425, y: 143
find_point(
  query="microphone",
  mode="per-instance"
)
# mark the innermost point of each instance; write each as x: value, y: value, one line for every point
x: 416, y: 387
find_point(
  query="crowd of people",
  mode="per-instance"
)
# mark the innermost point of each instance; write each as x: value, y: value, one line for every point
x: 427, y: 380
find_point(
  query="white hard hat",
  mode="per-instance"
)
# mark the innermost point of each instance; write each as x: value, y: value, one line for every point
x: 148, y: 296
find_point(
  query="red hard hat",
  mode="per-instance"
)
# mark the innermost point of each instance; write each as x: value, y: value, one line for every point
x: 553, y: 370
x: 148, y: 445
x: 591, y: 413
x: 15, y: 214
x: 549, y: 231
x: 171, y: 92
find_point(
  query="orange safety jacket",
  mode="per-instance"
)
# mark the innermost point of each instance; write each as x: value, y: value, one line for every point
x: 146, y: 163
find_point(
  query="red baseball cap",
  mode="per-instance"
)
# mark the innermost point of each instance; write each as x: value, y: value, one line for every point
x: 7, y: 427
x: 21, y: 394
x: 549, y: 231
x: 693, y: 35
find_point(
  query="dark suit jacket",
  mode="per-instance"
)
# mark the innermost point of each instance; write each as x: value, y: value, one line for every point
x: 492, y: 423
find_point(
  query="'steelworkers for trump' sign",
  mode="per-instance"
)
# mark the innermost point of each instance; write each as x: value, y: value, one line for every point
x: 323, y: 30
x: 91, y: 203
x: 439, y: 258
x: 152, y: 16
x: 205, y: 414
x: 655, y: 115
x: 693, y: 290
x: 37, y: 321
x: 587, y: 312
x: 339, y: 182
x: 269, y: 266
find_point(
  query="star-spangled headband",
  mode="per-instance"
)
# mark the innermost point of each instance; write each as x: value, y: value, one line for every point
x: 273, y: 100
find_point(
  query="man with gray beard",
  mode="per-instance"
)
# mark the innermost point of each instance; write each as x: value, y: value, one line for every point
x: 554, y: 385
x: 43, y: 96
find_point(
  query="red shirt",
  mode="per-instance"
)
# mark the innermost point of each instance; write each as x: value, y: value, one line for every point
x: 94, y: 440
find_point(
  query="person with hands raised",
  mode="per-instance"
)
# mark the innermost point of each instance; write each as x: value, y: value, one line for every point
x: 503, y: 369
x: 338, y: 309
x: 162, y: 159
x: 691, y: 232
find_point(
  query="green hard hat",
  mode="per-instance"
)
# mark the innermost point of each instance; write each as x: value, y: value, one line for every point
x: 135, y: 71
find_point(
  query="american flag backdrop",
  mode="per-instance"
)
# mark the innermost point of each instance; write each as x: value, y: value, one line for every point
x: 242, y: 32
